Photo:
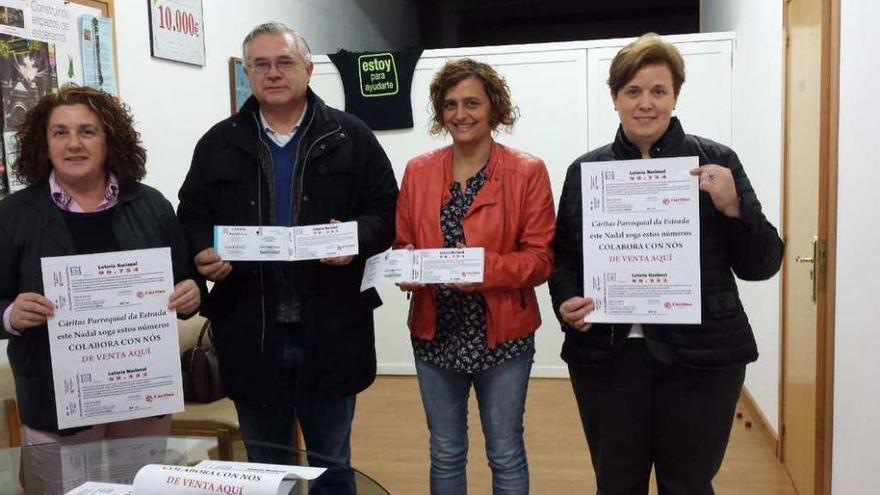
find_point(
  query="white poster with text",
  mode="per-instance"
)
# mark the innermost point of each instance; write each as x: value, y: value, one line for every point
x: 113, y: 341
x: 641, y: 235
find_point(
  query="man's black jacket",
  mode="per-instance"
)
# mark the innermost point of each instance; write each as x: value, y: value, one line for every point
x: 341, y: 173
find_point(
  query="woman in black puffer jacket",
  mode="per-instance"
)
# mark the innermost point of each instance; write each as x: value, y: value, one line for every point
x: 651, y: 395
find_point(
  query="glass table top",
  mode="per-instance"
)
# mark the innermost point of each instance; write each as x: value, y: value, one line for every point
x: 58, y: 468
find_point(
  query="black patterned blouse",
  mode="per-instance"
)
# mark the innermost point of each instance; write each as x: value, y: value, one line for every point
x: 459, y: 343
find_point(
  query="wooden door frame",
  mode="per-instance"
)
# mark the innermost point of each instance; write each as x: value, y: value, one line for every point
x: 827, y: 234
x: 106, y: 6
x: 828, y: 229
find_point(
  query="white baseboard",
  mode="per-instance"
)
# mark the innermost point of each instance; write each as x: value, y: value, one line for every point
x: 396, y: 369
x: 549, y: 371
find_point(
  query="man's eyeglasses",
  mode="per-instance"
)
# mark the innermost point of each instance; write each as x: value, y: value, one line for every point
x: 283, y: 65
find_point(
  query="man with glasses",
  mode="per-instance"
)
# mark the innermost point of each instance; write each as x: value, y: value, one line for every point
x: 294, y: 339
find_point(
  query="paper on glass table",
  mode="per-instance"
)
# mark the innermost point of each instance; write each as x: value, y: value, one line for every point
x: 426, y: 266
x: 641, y: 240
x: 114, y: 461
x: 221, y: 477
x: 301, y: 472
x: 272, y: 243
x: 112, y: 339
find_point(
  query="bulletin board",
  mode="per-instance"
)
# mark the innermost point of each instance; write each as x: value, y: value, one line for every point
x: 45, y: 44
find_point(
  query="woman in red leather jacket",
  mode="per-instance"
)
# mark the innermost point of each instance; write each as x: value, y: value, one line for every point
x: 476, y: 193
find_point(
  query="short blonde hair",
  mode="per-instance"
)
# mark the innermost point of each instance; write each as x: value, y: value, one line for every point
x: 649, y: 49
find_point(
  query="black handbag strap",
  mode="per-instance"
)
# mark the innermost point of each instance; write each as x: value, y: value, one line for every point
x: 205, y: 329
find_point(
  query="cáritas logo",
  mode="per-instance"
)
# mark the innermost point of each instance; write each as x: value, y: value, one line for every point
x: 677, y: 305
x: 167, y: 395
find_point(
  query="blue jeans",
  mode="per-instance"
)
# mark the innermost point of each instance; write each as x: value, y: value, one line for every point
x: 326, y: 427
x: 501, y: 395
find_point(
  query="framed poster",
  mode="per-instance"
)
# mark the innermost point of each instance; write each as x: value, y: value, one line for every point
x: 177, y: 30
x: 239, y: 86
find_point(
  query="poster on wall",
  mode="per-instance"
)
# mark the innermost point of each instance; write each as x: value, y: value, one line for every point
x: 13, y: 17
x: 239, y: 85
x: 96, y: 44
x: 52, y: 21
x: 55, y: 21
x: 177, y: 30
x: 10, y: 153
x: 27, y: 73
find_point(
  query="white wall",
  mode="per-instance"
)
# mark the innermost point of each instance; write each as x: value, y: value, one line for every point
x: 174, y: 104
x: 757, y: 139
x: 857, y: 346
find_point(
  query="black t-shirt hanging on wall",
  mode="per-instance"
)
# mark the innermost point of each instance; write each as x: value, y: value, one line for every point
x: 377, y: 86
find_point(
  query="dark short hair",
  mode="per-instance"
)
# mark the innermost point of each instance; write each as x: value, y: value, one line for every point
x: 649, y: 49
x: 126, y: 158
x: 456, y: 71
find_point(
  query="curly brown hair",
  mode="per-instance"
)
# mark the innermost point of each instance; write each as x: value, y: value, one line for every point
x: 456, y: 71
x: 126, y: 158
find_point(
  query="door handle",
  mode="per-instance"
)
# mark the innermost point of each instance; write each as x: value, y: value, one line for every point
x: 812, y: 260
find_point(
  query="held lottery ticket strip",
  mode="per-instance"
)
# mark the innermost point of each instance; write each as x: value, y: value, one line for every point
x: 272, y: 243
x: 426, y: 266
